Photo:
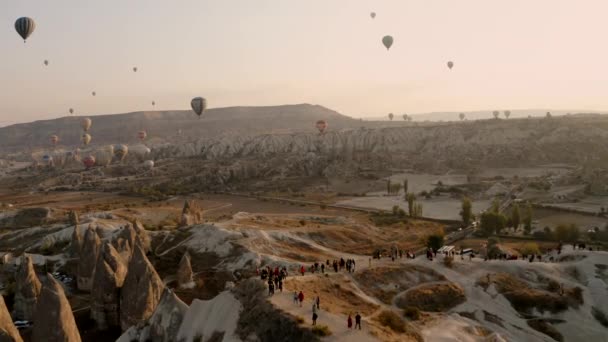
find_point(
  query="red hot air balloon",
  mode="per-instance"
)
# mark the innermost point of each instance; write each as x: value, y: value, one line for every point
x: 88, y: 161
x: 321, y: 126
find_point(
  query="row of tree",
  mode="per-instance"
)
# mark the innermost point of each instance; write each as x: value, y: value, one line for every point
x: 492, y: 221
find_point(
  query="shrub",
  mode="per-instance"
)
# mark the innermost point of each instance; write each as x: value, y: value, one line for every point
x: 600, y: 316
x: 412, y: 313
x: 392, y: 320
x: 448, y: 261
x: 553, y: 286
x: 545, y: 328
x: 321, y: 330
x: 299, y: 319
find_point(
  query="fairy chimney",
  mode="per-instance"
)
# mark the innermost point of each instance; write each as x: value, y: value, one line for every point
x: 191, y: 214
x: 110, y: 273
x: 141, y: 291
x: 8, y: 331
x: 184, y: 272
x: 124, y: 242
x: 76, y: 243
x: 27, y: 290
x: 167, y: 318
x: 142, y: 235
x: 88, y: 259
x: 53, y: 320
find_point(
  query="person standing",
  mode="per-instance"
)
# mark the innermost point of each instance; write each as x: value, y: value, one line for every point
x: 301, y: 297
x: 349, y: 322
x: 317, y: 302
x: 295, y: 297
x: 358, y: 321
x: 302, y: 270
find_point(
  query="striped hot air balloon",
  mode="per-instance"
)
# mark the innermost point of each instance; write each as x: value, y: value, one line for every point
x: 25, y: 27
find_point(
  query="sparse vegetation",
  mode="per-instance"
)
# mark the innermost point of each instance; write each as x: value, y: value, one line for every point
x: 391, y: 320
x: 437, y: 297
x: 435, y: 241
x: 546, y: 328
x: 412, y: 313
x: 321, y: 330
x: 600, y: 316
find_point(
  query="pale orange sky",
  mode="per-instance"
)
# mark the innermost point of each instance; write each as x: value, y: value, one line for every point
x: 508, y: 54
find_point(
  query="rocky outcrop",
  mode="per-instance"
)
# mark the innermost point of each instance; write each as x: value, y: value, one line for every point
x: 124, y: 242
x: 76, y: 242
x: 141, y: 291
x: 191, y: 214
x: 8, y: 331
x: 143, y: 236
x: 73, y: 218
x: 110, y: 273
x: 54, y: 321
x: 167, y: 318
x: 88, y: 260
x: 27, y: 291
x: 27, y: 217
x: 184, y: 272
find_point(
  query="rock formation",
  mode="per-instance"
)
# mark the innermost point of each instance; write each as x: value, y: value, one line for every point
x: 124, y: 242
x: 76, y: 242
x: 73, y: 218
x: 191, y: 214
x: 88, y: 259
x: 27, y: 290
x: 167, y: 318
x: 110, y: 273
x: 54, y: 321
x: 142, y: 235
x: 184, y: 272
x: 141, y: 291
x: 8, y: 331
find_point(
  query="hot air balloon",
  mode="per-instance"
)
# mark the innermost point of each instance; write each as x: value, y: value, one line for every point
x: 321, y: 126
x: 373, y: 15
x: 120, y: 151
x: 198, y: 104
x: 405, y: 117
x: 387, y: 41
x: 153, y: 103
x: 461, y: 116
x: 86, y: 139
x: 93, y: 93
x: 54, y: 139
x: 391, y: 116
x: 149, y: 164
x: 71, y: 110
x: 25, y: 27
x: 46, y: 62
x: 496, y: 114
x: 88, y: 161
x: 450, y: 65
x: 507, y: 113
x: 86, y: 124
x: 134, y: 69
x: 141, y: 135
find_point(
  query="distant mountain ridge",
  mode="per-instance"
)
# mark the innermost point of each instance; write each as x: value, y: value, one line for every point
x: 166, y: 125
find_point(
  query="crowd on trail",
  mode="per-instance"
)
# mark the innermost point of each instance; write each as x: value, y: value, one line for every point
x: 274, y: 277
x: 298, y: 299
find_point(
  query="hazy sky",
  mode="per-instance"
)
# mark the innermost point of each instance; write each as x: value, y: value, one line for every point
x: 508, y: 54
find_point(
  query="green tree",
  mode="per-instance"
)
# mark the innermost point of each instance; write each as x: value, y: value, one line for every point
x: 405, y: 186
x: 528, y: 219
x: 411, y: 199
x: 492, y: 223
x: 388, y: 186
x: 418, y: 209
x: 467, y: 211
x: 435, y: 241
x: 495, y: 206
x: 515, y: 218
x: 566, y: 233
